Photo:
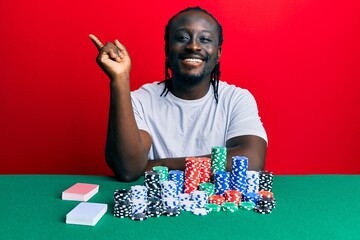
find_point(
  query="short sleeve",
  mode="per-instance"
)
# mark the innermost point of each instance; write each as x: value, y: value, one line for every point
x: 244, y: 117
x: 139, y: 113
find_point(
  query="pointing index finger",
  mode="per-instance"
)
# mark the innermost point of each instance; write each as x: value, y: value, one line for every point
x: 96, y: 41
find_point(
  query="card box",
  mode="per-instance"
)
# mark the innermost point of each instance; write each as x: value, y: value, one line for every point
x: 80, y: 192
x: 86, y: 213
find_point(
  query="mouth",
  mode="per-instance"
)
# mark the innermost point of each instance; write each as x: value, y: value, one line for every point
x: 192, y: 61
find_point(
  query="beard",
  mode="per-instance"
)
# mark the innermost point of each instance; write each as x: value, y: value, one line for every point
x: 188, y: 80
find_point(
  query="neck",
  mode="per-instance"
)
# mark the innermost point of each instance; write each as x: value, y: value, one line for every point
x: 189, y: 91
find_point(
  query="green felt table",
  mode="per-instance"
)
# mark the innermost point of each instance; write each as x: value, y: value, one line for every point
x: 308, y: 207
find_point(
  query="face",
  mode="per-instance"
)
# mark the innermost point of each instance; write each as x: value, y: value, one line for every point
x: 193, y: 47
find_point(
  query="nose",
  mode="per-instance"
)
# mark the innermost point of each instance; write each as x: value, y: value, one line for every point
x: 193, y: 45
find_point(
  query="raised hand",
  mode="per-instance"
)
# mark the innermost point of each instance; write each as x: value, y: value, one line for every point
x: 113, y: 59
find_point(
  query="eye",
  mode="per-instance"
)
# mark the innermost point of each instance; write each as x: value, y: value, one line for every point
x: 182, y: 38
x: 205, y: 39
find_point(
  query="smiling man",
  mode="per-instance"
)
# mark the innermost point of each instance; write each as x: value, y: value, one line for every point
x: 185, y: 115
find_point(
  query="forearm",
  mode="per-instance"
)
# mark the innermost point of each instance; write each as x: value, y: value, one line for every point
x: 125, y: 150
x: 256, y: 159
x: 170, y: 163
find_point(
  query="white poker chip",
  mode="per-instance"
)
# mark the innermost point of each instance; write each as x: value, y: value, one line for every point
x: 200, y: 211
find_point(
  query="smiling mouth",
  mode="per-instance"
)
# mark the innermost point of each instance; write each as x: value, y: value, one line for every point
x: 192, y: 60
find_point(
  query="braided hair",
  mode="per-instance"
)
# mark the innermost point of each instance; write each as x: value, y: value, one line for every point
x: 215, y: 73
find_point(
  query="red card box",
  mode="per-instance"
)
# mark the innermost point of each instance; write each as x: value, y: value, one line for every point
x: 80, y: 192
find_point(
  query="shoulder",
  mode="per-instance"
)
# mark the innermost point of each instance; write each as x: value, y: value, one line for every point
x: 148, y: 92
x: 230, y: 92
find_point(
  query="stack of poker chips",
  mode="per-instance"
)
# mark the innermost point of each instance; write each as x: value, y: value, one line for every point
x: 178, y: 177
x: 266, y: 203
x: 221, y: 182
x: 232, y: 196
x: 139, y: 199
x: 208, y: 187
x: 153, y: 184
x: 123, y: 204
x: 250, y: 197
x: 239, y: 167
x: 218, y: 158
x: 199, y: 197
x: 192, y: 174
x: 186, y: 203
x: 205, y: 169
x: 216, y: 199
x: 252, y: 180
x: 197, y: 171
x: 163, y: 171
x: 154, y: 208
x: 265, y: 181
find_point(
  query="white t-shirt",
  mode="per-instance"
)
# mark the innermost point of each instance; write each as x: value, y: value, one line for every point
x: 184, y: 128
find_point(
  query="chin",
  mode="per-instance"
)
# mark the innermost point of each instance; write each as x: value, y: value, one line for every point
x: 191, y: 79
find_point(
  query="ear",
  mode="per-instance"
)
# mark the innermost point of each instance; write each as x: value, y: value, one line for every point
x: 219, y: 52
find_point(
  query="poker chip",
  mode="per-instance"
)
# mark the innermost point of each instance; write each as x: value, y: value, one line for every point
x: 252, y: 181
x: 239, y: 167
x: 200, y: 211
x: 163, y: 171
x: 221, y: 182
x: 213, y: 207
x: 229, y: 207
x: 216, y: 199
x: 232, y: 196
x: 122, y: 209
x: 251, y: 197
x: 262, y: 210
x: 208, y: 187
x: 205, y: 169
x: 187, y: 205
x: 152, y: 183
x: 247, y: 206
x: 172, y: 212
x: 199, y: 197
x: 154, y: 212
x: 192, y: 174
x: 122, y: 195
x: 168, y: 189
x: 218, y: 158
x: 139, y: 217
x: 266, y: 194
x: 265, y: 181
x: 178, y: 177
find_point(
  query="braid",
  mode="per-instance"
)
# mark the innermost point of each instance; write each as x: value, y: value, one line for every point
x: 167, y: 80
x: 215, y: 73
x: 215, y: 79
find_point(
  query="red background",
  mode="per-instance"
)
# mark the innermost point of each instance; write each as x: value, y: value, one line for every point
x: 299, y: 58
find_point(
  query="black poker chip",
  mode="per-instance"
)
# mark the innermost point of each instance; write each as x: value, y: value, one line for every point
x: 262, y: 210
x: 139, y: 217
x: 172, y: 212
x: 154, y: 212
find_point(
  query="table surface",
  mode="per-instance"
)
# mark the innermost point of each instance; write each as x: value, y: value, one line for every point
x: 308, y: 207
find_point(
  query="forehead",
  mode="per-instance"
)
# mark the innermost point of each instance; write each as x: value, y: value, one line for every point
x: 194, y: 21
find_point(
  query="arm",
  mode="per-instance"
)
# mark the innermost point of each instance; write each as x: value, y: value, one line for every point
x: 252, y: 147
x: 127, y: 147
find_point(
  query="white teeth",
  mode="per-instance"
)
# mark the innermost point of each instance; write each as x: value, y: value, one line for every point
x: 192, y: 60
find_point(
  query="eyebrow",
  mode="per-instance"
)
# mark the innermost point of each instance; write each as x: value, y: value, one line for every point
x: 185, y: 29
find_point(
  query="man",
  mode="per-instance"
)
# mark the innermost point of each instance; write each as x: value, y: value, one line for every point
x: 185, y: 115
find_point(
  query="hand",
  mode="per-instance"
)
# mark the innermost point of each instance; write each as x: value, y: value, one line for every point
x: 113, y: 59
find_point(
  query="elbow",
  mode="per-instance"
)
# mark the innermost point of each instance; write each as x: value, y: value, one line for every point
x: 123, y: 174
